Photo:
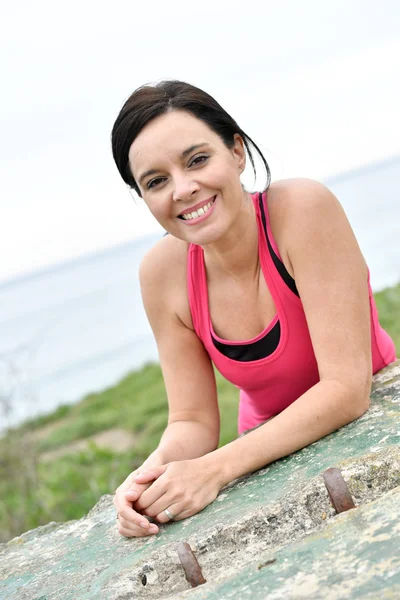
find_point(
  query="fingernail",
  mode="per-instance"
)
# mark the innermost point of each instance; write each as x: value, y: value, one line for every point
x: 144, y: 524
x: 132, y: 494
x: 153, y: 529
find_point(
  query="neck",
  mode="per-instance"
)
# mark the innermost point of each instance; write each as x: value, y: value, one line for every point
x: 236, y: 254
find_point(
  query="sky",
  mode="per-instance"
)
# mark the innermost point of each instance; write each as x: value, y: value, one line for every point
x: 315, y: 84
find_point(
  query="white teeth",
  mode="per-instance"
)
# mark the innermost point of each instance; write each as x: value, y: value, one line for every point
x: 197, y: 213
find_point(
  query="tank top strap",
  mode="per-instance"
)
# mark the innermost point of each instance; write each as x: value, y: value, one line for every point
x: 197, y: 290
x: 261, y: 204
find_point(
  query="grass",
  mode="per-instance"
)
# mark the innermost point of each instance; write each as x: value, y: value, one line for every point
x: 34, y: 492
x: 388, y: 305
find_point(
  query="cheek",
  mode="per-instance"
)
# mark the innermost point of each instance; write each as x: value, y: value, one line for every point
x: 223, y: 175
x: 158, y: 208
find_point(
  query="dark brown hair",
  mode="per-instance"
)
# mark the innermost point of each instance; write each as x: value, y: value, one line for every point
x: 150, y: 101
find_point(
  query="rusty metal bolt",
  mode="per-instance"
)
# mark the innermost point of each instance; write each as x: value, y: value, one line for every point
x: 338, y: 491
x: 190, y: 565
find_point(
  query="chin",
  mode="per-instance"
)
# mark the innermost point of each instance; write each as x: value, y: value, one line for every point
x: 204, y: 238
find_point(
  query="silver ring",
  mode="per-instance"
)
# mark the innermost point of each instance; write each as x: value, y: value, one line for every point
x: 170, y: 516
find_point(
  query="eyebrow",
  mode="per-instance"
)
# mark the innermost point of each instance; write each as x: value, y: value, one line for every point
x: 183, y: 155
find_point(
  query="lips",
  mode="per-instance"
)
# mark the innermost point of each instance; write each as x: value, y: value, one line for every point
x: 201, y: 214
x: 196, y: 206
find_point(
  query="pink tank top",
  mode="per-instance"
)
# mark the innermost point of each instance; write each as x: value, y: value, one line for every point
x: 269, y: 384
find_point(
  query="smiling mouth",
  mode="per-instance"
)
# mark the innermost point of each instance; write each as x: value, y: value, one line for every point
x: 195, y: 214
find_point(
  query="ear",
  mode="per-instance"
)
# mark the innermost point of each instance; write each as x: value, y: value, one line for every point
x: 239, y: 152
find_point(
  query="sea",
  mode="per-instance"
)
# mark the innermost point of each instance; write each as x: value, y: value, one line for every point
x: 80, y: 327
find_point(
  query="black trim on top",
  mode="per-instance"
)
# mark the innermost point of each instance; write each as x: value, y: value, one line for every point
x: 269, y: 343
x: 254, y: 351
x: 287, y: 278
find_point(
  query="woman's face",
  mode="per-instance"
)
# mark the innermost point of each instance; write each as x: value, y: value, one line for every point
x: 187, y: 176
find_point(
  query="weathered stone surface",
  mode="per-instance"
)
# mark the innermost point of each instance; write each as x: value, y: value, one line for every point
x: 270, y: 535
x: 356, y: 556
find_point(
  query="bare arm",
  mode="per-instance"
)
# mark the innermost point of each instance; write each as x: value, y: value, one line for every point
x: 321, y: 410
x: 193, y: 416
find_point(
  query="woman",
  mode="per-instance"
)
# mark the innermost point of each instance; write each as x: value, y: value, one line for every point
x: 270, y: 287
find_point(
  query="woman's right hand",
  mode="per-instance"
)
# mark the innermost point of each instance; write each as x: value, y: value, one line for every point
x: 130, y: 522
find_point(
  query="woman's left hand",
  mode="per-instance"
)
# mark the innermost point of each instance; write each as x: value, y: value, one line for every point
x: 184, y: 488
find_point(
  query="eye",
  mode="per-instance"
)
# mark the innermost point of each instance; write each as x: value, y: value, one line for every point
x: 198, y: 160
x: 154, y: 182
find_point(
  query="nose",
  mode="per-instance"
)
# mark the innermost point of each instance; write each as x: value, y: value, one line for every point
x: 184, y: 187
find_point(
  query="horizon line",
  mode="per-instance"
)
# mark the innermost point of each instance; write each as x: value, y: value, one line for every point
x: 97, y: 254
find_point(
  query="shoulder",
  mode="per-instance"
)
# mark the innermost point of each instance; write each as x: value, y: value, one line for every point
x: 299, y: 209
x: 312, y: 222
x: 299, y: 194
x: 162, y: 276
x: 164, y: 261
x: 304, y: 203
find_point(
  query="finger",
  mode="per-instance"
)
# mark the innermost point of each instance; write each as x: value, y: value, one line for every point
x: 175, y: 509
x: 128, y: 481
x: 125, y: 498
x: 153, y: 509
x: 178, y: 516
x: 141, y: 524
x: 130, y: 516
x: 135, y: 491
x: 124, y: 486
x: 127, y: 530
x: 150, y: 474
x: 137, y: 521
x: 156, y: 491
